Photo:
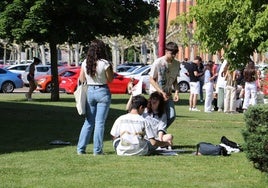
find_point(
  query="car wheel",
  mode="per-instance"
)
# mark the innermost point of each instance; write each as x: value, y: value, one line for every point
x: 48, y: 88
x: 184, y: 86
x: 8, y: 87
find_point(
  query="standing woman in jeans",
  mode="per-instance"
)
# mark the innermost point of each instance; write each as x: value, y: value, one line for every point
x: 96, y: 71
x: 250, y: 77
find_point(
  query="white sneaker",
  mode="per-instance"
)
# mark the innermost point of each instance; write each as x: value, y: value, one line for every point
x: 190, y: 109
x: 208, y: 111
x: 26, y: 95
x: 195, y: 109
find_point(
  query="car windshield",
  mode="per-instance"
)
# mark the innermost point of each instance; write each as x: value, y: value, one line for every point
x: 132, y: 69
x: 68, y: 74
x: 139, y: 70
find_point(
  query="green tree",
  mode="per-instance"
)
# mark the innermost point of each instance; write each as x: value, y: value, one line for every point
x: 237, y: 26
x: 73, y: 21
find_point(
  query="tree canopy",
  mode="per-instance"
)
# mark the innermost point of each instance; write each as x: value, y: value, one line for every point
x: 239, y: 27
x: 73, y: 21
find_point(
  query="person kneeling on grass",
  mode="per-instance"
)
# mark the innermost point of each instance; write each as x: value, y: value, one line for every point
x: 129, y: 130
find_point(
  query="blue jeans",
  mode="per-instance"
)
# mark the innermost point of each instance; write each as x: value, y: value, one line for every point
x: 170, y: 111
x: 98, y: 103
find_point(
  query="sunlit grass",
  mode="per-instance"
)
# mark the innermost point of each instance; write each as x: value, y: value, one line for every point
x: 28, y: 160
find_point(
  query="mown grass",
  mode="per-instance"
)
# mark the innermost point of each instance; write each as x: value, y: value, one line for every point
x: 28, y: 160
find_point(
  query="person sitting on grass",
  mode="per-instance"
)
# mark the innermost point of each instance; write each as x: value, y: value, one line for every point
x: 129, y: 131
x: 157, y: 118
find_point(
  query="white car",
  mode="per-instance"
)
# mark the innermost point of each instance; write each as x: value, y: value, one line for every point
x: 18, y: 68
x: 130, y: 71
x: 39, y: 70
x: 183, y: 80
x: 123, y: 68
x: 143, y: 73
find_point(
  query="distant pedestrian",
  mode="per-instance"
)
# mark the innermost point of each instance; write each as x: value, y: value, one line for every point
x: 194, y: 82
x: 250, y: 77
x: 209, y: 85
x: 220, y: 86
x: 201, y: 80
x: 30, y: 78
x: 230, y: 91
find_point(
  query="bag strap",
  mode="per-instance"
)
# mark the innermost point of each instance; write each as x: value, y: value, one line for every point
x: 197, y: 148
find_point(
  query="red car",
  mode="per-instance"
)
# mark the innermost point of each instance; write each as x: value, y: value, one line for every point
x: 117, y: 86
x: 44, y: 81
x: 69, y: 80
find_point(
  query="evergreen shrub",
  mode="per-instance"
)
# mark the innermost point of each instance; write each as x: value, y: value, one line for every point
x: 256, y: 136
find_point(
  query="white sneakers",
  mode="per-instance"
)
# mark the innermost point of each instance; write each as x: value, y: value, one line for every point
x: 27, y: 97
x: 195, y: 110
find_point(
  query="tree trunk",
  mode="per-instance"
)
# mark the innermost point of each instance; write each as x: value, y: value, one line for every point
x: 76, y: 53
x: 43, y: 54
x: 54, y: 71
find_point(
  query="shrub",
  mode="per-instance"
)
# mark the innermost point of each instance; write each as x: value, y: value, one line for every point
x: 256, y: 136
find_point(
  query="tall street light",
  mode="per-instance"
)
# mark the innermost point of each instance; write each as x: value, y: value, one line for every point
x: 162, y: 28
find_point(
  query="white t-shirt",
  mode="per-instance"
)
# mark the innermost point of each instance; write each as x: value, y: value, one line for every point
x: 164, y: 73
x: 221, y: 83
x: 100, y: 77
x: 156, y: 123
x: 131, y: 128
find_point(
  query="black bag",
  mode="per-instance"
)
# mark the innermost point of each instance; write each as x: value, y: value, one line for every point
x: 230, y: 143
x: 209, y: 149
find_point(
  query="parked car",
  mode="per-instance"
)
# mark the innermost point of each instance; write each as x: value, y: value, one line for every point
x: 44, y: 81
x: 29, y: 61
x: 18, y: 68
x: 142, y: 73
x: 130, y: 71
x: 39, y: 70
x: 9, y: 81
x: 69, y: 80
x: 123, y: 68
x: 119, y: 84
x: 183, y: 80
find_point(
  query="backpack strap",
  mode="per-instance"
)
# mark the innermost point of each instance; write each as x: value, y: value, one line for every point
x: 197, y: 148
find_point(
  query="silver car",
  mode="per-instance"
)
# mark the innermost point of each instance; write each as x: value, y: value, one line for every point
x: 39, y: 70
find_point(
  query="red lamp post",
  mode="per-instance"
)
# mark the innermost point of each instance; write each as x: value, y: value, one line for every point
x: 162, y: 28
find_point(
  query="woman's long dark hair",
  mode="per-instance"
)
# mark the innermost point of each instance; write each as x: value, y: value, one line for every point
x: 161, y: 107
x: 250, y: 72
x: 96, y: 51
x: 209, y: 67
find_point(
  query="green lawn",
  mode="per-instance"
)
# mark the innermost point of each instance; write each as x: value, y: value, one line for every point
x: 28, y: 160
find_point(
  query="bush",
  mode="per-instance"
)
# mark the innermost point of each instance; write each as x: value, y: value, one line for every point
x: 256, y: 136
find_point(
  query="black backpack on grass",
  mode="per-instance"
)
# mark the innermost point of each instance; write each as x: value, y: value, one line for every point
x: 206, y: 148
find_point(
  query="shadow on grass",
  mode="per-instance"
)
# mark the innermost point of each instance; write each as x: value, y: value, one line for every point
x: 32, y: 126
x: 29, y: 126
